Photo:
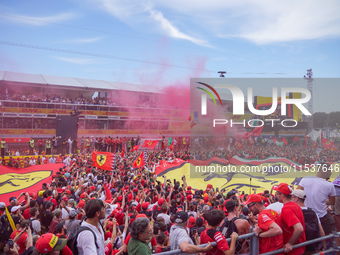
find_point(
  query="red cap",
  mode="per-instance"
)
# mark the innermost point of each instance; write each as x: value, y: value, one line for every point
x: 49, y: 242
x: 145, y: 205
x: 189, y: 197
x: 81, y: 203
x: 93, y: 188
x: 192, y: 221
x: 283, y: 188
x: 161, y: 201
x: 65, y: 199
x: 189, y: 188
x: 83, y: 195
x: 140, y: 216
x: 68, y: 192
x: 252, y: 198
x: 135, y: 190
x: 209, y: 186
x: 120, y: 198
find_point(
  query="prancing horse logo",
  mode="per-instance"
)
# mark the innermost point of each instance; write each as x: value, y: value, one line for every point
x: 101, y: 159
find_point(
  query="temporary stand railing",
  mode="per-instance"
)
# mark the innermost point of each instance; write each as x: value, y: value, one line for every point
x: 254, y: 244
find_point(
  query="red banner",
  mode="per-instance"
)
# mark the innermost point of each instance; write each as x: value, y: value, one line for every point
x: 165, y: 165
x: 150, y: 144
x: 14, y: 181
x: 103, y: 160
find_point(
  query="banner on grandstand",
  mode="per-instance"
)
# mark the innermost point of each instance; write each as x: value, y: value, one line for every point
x: 14, y: 181
x: 103, y: 160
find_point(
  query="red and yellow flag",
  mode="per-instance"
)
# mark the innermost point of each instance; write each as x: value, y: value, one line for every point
x: 328, y: 144
x: 139, y: 162
x: 135, y: 148
x: 103, y: 160
x: 150, y: 144
x: 13, y: 181
x: 296, y: 138
x: 238, y: 145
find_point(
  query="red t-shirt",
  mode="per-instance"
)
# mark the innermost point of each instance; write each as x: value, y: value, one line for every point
x: 265, y: 219
x: 22, y: 240
x: 222, y: 244
x: 291, y: 214
x: 26, y: 214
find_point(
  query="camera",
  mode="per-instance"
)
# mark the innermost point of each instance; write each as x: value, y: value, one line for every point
x: 183, y: 177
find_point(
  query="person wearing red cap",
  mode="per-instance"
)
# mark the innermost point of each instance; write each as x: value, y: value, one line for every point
x: 292, y: 220
x: 269, y: 221
x: 51, y: 244
x: 210, y: 234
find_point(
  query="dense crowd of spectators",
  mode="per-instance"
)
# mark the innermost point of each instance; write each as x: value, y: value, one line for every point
x: 143, y: 102
x: 130, y: 210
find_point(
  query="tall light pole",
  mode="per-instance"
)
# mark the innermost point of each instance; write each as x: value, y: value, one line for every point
x: 309, y: 79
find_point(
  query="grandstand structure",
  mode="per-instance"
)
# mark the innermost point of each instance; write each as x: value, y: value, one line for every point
x: 30, y: 104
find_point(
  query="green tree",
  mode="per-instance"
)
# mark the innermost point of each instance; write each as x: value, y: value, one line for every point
x: 319, y: 119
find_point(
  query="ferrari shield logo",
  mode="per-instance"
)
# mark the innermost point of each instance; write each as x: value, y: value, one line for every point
x: 101, y: 159
x: 138, y: 161
x: 149, y: 143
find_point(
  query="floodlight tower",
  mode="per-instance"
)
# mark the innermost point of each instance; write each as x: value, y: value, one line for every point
x: 309, y: 79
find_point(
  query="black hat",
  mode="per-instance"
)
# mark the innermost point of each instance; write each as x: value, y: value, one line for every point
x: 181, y: 217
x: 12, y: 198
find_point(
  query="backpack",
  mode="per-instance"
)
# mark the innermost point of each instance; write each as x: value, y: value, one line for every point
x: 72, y: 239
x: 5, y: 229
x: 227, y: 229
x: 312, y: 229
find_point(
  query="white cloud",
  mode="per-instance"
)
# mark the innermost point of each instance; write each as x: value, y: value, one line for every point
x: 83, y: 40
x: 40, y: 21
x: 142, y: 13
x: 77, y: 61
x: 171, y: 30
x: 260, y: 21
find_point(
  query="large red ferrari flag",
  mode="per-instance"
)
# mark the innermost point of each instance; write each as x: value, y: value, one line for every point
x: 150, y: 144
x: 14, y: 181
x: 139, y: 162
x: 103, y: 160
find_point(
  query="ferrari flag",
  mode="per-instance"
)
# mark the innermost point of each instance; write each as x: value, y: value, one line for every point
x: 139, y: 162
x: 103, y: 160
x: 14, y: 181
x: 150, y: 144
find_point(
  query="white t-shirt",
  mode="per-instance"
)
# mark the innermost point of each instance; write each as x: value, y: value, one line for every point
x: 165, y: 217
x: 317, y: 191
x: 85, y: 241
x: 277, y: 206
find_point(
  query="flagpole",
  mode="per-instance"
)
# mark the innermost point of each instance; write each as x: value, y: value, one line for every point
x: 250, y: 186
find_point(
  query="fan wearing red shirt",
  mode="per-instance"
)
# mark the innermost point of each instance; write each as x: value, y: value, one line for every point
x: 269, y: 222
x: 210, y: 234
x: 292, y: 220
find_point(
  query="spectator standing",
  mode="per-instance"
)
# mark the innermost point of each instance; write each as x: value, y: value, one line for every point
x: 95, y: 211
x: 210, y: 234
x: 319, y: 194
x: 180, y: 239
x: 268, y: 230
x: 292, y: 220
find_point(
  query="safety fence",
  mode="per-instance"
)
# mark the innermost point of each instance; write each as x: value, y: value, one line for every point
x: 253, y: 242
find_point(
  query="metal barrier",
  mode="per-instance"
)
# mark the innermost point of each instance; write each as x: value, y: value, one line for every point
x: 254, y: 245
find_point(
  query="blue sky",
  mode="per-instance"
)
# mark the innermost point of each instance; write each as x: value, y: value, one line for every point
x: 167, y: 42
